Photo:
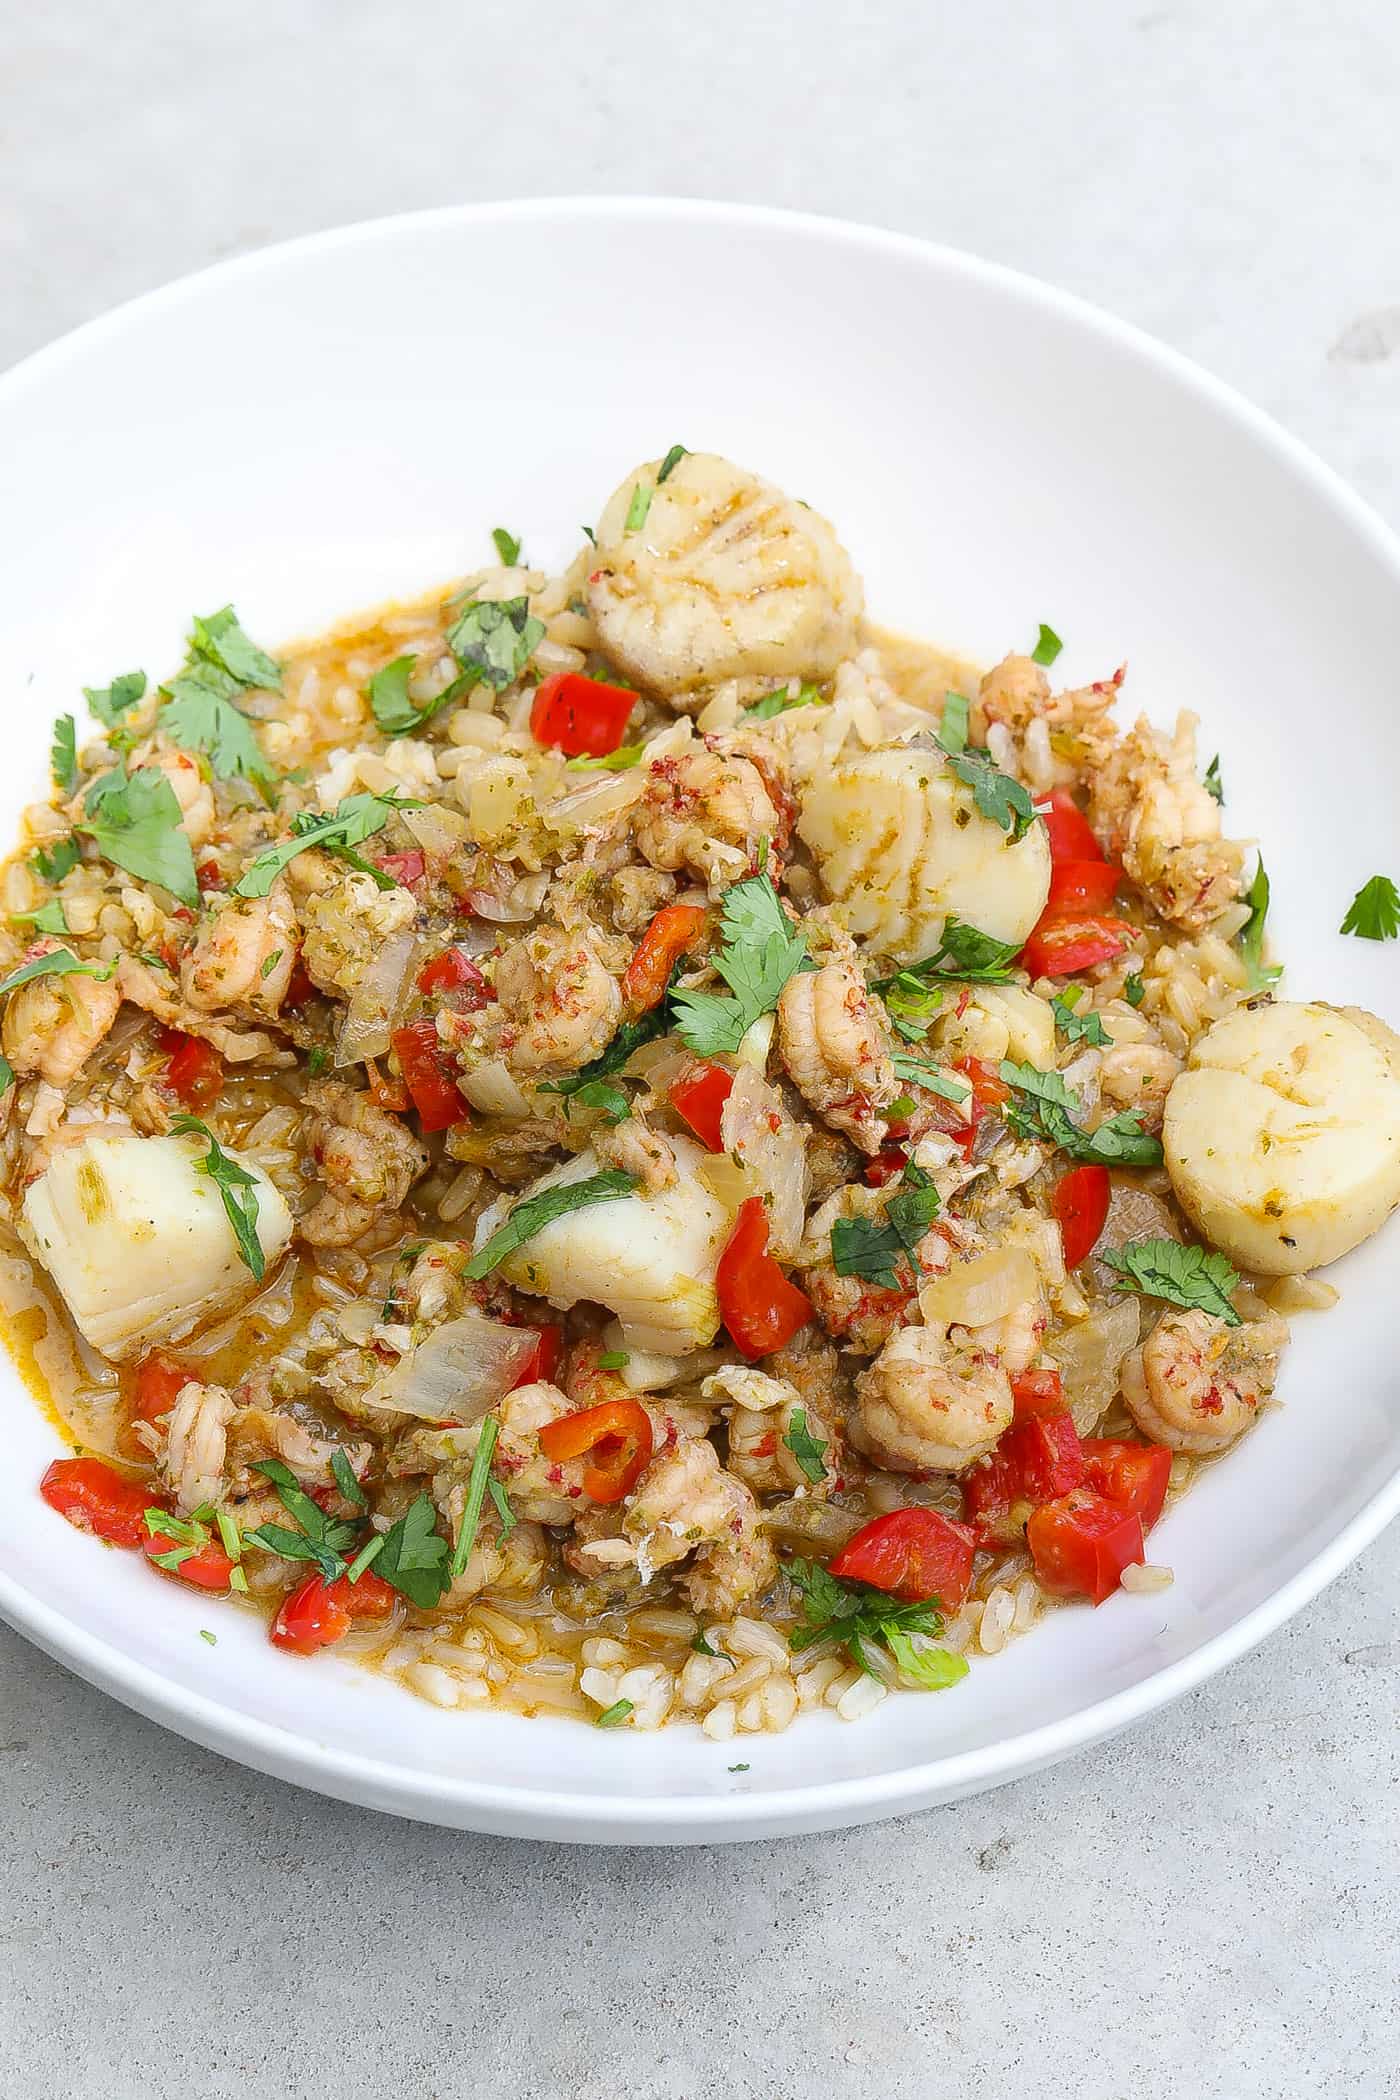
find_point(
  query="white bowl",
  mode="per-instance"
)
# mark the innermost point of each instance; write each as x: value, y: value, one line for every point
x: 313, y: 429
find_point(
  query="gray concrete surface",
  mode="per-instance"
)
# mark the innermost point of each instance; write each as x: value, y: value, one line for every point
x: 1206, y: 1907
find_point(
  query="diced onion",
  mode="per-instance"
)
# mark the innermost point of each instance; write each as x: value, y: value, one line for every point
x: 1090, y: 1355
x: 438, y: 830
x: 458, y: 1373
x: 974, y: 1293
x: 493, y: 1089
x: 755, y: 1125
x: 757, y: 1042
x: 374, y: 1003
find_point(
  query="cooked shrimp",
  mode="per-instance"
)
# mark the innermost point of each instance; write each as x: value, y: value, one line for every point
x: 557, y: 1005
x: 1147, y: 802
x: 1197, y: 1384
x: 637, y: 1150
x: 348, y: 922
x: 545, y: 1490
x: 52, y: 1025
x: 833, y: 1045
x: 1139, y: 1076
x: 244, y: 955
x: 367, y: 1158
x: 928, y: 1406
x: 708, y: 810
x: 724, y: 577
x: 686, y: 1503
x: 154, y: 992
x: 196, y: 1444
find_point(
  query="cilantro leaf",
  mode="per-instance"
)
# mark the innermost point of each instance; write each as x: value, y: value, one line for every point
x: 493, y: 640
x: 1044, y: 1112
x: 220, y: 641
x: 134, y: 820
x: 872, y: 1248
x: 669, y: 464
x: 930, y: 1078
x: 49, y: 918
x: 781, y: 701
x: 199, y: 715
x: 637, y: 509
x: 346, y: 1480
x: 501, y: 1503
x: 7, y: 1075
x: 237, y: 1188
x: 600, y: 1094
x: 760, y: 950
x: 629, y: 1037
x: 1047, y: 648
x: 1076, y: 1027
x: 1134, y: 990
x: 541, y: 1209
x: 998, y: 797
x: 808, y: 1450
x: 63, y: 755
x: 931, y: 1669
x: 1261, y: 974
x: 389, y: 703
x: 60, y: 962
x: 953, y: 723
x: 56, y: 861
x: 1196, y: 1277
x: 320, y: 1539
x: 110, y: 702
x: 1212, y: 783
x: 414, y: 1556
x: 620, y: 761
x: 507, y: 546
x: 853, y: 1613
x: 353, y: 821
x: 475, y: 1496
x: 1374, y: 912
x: 965, y: 955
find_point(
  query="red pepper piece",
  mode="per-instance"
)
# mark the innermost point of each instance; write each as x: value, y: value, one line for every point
x: 94, y: 1497
x: 914, y: 1553
x: 1081, y: 1207
x: 758, y: 1304
x: 616, y: 1438
x: 1133, y: 1475
x: 580, y: 716
x: 698, y: 1097
x: 661, y: 947
x: 429, y: 1075
x: 1081, y: 1542
x: 194, y: 1070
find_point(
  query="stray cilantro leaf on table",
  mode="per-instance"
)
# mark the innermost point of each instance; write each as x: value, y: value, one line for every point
x: 541, y: 1209
x: 237, y: 1188
x: 760, y: 950
x: 1374, y: 912
x: 1197, y: 1278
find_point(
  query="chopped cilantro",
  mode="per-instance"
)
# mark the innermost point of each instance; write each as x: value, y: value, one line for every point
x: 1196, y: 1277
x: 220, y: 640
x: 353, y: 821
x: 669, y: 464
x: 629, y: 1037
x: 507, y: 546
x: 1077, y: 1027
x: 615, y: 1715
x: 56, y: 861
x: 1004, y: 801
x: 63, y: 755
x: 760, y: 950
x: 206, y: 1635
x: 965, y: 955
x: 930, y: 1078
x: 237, y: 1188
x: 7, y: 1075
x: 494, y: 640
x: 389, y: 703
x: 501, y: 1504
x: 736, y: 1768
x: 637, y: 509
x: 49, y: 918
x: 779, y: 703
x: 602, y: 1095
x: 614, y: 1360
x: 1044, y: 1112
x: 414, y: 1556
x: 702, y: 1647
x: 60, y: 962
x: 134, y: 820
x: 1261, y: 974
x: 319, y: 1539
x: 620, y: 761
x: 1134, y: 990
x: 345, y: 1479
x: 855, y: 1614
x: 317, y: 1059
x: 1213, y: 784
x: 953, y: 723
x: 808, y: 1450
x: 1374, y: 912
x: 1048, y: 646
x: 110, y: 702
x: 199, y: 715
x: 541, y: 1209
x: 872, y: 1247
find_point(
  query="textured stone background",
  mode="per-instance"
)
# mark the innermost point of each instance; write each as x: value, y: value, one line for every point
x: 1205, y: 1907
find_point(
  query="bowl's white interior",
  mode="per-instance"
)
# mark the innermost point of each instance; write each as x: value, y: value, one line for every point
x: 330, y: 424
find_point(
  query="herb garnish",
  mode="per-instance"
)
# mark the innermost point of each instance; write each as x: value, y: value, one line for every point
x: 59, y: 962
x: 414, y: 1556
x: 614, y: 1359
x: 110, y: 702
x: 781, y: 701
x: 63, y: 755
x: 760, y: 950
x: 321, y: 1539
x: 507, y: 546
x: 855, y: 1614
x: 930, y: 1077
x: 475, y: 1496
x: 1047, y: 647
x: 199, y: 712
x: 237, y: 1188
x: 629, y: 1037
x: 493, y: 640
x: 620, y: 761
x: 501, y: 1503
x: 1043, y: 1112
x: 353, y: 821
x: 56, y: 861
x: 1213, y: 784
x: 7, y: 1075
x: 1374, y: 912
x: 390, y: 705
x: 542, y: 1209
x: 1261, y: 974
x: 1134, y: 990
x: 998, y: 797
x: 965, y: 955
x: 1195, y: 1277
x: 346, y: 1480
x: 872, y: 1248
x: 637, y: 509
x: 134, y: 820
x: 808, y: 1450
x: 49, y: 918
x: 669, y: 464
x: 615, y: 1715
x: 1076, y: 1027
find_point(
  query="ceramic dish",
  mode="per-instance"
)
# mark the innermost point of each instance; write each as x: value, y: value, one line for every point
x: 313, y: 428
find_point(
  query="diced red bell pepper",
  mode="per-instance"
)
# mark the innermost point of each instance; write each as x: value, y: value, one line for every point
x: 757, y: 1303
x: 541, y: 1367
x: 1081, y: 1542
x: 615, y: 1436
x: 406, y: 868
x: 1081, y: 1209
x: 582, y: 717
x: 317, y: 1613
x: 1078, y: 886
x: 1070, y: 835
x: 1038, y: 1458
x: 194, y: 1070
x: 208, y: 1567
x: 698, y: 1097
x: 94, y: 1497
x: 886, y: 1166
x: 661, y: 947
x: 429, y: 1075
x: 454, y: 971
x: 913, y: 1553
x: 158, y: 1382
x: 1134, y: 1475
x: 1061, y: 946
x: 1037, y: 1393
